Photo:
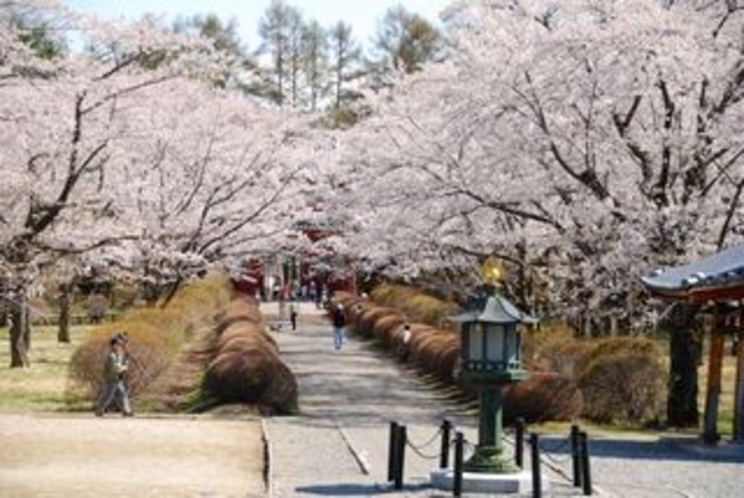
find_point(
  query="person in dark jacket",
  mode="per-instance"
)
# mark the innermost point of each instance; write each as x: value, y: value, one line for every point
x: 339, y: 322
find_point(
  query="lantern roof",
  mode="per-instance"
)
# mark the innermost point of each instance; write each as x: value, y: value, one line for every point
x: 494, y: 309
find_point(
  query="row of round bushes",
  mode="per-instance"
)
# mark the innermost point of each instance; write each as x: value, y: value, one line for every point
x: 622, y: 379
x: 618, y: 379
x: 436, y: 351
x: 155, y: 334
x: 246, y: 367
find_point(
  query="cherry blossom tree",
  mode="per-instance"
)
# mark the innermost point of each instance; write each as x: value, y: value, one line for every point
x: 582, y: 142
x: 61, y: 131
x: 586, y: 142
x: 223, y: 180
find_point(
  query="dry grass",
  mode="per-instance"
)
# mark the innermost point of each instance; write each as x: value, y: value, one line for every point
x: 42, y: 386
x: 728, y: 383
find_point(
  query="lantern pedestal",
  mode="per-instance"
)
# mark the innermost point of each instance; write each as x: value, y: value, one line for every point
x: 489, y: 455
x: 490, y: 460
x: 473, y: 482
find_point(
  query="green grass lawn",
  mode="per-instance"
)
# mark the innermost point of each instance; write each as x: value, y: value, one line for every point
x: 42, y: 386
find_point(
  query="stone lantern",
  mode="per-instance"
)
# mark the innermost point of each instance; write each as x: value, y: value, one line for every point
x: 491, y: 358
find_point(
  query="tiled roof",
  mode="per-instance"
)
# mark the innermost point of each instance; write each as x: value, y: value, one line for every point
x: 723, y: 269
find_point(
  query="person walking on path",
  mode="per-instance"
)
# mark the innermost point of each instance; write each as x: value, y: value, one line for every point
x: 293, y: 312
x: 339, y: 322
x: 114, y: 388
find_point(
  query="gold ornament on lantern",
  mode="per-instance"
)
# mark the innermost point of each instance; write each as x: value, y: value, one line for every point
x: 492, y: 272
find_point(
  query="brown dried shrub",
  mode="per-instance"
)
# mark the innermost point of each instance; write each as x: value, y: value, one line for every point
x: 252, y: 374
x: 239, y: 310
x: 385, y: 326
x: 354, y: 305
x: 598, y: 350
x: 551, y: 347
x: 541, y: 397
x: 436, y: 352
x: 156, y: 334
x: 565, y: 358
x: 246, y: 367
x: 401, y: 343
x: 623, y: 380
x: 419, y: 306
x: 150, y: 355
x: 246, y: 342
x: 244, y: 329
x: 365, y: 324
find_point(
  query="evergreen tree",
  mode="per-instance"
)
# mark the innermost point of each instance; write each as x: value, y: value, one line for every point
x: 34, y: 28
x: 345, y: 54
x: 226, y: 40
x: 315, y: 62
x: 276, y: 29
x: 225, y: 35
x: 295, y: 30
x: 404, y: 42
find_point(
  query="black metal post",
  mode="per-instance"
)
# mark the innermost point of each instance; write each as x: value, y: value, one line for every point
x: 586, y: 474
x: 444, y: 451
x: 392, y: 447
x: 457, y: 474
x: 575, y: 455
x: 535, y: 460
x: 401, y: 456
x: 519, y: 443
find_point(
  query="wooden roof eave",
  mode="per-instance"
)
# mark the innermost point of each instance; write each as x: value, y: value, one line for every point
x: 701, y: 295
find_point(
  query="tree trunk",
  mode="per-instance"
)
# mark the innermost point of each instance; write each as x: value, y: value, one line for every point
x: 4, y: 314
x: 26, y: 325
x: 63, y: 332
x: 685, y: 339
x: 18, y: 331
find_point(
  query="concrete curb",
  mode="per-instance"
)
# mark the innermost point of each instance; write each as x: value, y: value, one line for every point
x: 359, y: 456
x: 268, y: 454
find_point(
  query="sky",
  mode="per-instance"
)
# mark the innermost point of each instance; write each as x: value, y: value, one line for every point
x: 361, y: 14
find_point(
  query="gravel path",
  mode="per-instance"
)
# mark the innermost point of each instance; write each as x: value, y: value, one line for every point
x: 337, y: 446
x: 84, y: 456
x: 659, y: 467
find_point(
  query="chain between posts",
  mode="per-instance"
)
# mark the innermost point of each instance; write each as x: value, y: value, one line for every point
x: 421, y: 454
x: 428, y: 443
x: 546, y: 452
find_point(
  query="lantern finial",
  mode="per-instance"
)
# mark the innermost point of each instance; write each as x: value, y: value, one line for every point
x: 492, y: 272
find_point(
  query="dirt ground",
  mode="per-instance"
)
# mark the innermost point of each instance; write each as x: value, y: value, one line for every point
x: 85, y: 456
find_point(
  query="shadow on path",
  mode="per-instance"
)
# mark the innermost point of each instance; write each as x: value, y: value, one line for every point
x: 359, y: 489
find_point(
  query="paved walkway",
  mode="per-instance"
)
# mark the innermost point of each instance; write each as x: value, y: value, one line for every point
x: 338, y: 444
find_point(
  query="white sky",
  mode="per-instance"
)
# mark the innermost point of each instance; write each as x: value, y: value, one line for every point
x: 361, y: 14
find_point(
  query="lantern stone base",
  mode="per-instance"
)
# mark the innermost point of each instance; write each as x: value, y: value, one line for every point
x: 490, y: 460
x: 477, y: 482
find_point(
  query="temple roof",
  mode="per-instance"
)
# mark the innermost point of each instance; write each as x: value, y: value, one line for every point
x: 719, y: 276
